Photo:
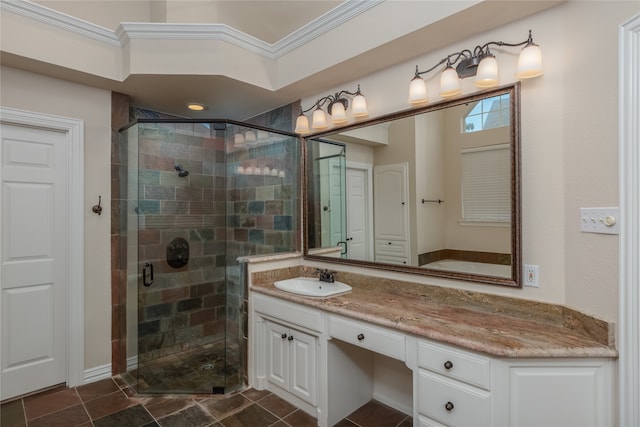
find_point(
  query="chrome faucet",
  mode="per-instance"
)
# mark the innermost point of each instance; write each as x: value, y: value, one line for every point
x: 326, y: 275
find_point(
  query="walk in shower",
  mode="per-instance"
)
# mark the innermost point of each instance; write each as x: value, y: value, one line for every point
x: 200, y: 195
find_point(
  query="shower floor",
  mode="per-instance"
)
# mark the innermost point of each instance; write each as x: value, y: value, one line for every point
x: 209, y: 368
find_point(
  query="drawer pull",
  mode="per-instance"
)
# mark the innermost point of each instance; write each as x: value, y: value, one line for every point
x: 290, y: 338
x: 448, y: 365
x: 283, y: 336
x: 448, y: 406
x: 360, y: 337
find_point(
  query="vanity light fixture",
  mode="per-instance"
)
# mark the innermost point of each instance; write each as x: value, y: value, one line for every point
x: 194, y: 106
x: 337, y: 109
x: 480, y: 63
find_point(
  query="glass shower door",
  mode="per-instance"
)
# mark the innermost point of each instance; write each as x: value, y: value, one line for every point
x: 328, y: 190
x: 181, y: 186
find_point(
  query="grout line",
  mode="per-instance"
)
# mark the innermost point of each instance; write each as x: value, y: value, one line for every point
x: 24, y: 411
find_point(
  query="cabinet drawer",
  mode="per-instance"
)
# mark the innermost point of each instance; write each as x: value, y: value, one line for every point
x: 456, y: 364
x: 372, y: 338
x: 453, y: 403
x: 289, y: 312
x: 391, y: 247
x: 392, y: 259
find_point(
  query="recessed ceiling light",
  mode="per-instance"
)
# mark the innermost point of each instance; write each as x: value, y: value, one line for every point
x: 194, y: 106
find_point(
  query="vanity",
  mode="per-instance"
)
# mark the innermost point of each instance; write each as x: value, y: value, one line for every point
x: 446, y: 357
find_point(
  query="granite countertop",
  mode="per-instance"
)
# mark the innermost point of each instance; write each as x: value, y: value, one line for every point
x: 495, y: 325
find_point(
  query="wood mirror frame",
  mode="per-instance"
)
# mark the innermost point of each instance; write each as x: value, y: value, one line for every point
x: 515, y: 203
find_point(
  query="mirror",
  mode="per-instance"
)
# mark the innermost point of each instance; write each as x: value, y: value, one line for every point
x: 432, y: 191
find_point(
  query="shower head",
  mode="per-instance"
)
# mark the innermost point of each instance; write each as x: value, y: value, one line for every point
x: 182, y: 172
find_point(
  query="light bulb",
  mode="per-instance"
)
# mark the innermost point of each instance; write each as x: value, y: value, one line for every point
x: 338, y: 114
x: 359, y: 106
x: 529, y: 62
x: 319, y: 120
x: 302, y: 125
x: 250, y: 137
x: 487, y: 73
x: 417, y: 91
x: 449, y: 83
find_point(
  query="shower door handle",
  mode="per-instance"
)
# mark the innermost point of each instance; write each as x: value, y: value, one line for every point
x: 149, y: 281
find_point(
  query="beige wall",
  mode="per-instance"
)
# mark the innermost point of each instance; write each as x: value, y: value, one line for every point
x: 471, y: 237
x: 35, y: 93
x: 569, y: 145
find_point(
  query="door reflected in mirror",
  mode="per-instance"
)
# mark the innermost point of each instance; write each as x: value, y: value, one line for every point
x: 432, y: 191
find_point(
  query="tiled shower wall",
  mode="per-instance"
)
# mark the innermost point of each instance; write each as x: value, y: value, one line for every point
x: 221, y: 210
x: 185, y: 306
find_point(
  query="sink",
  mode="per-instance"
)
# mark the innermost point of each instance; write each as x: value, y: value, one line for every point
x: 312, y: 287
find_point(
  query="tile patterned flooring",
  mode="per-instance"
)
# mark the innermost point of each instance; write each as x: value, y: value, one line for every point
x: 113, y: 403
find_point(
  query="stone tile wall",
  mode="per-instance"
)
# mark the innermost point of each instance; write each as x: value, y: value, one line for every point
x: 185, y: 306
x: 227, y: 207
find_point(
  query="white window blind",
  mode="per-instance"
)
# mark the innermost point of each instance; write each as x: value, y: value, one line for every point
x: 486, y: 180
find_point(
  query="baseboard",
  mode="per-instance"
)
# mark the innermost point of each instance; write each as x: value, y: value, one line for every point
x: 98, y: 373
x: 102, y: 372
x: 132, y: 363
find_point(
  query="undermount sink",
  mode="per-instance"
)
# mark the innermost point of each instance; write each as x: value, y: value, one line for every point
x: 312, y: 287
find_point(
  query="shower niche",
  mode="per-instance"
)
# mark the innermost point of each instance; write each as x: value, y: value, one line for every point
x: 199, y: 195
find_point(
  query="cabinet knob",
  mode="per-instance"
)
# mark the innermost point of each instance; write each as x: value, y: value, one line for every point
x: 283, y: 336
x: 448, y: 365
x: 290, y: 338
x: 448, y: 406
x: 360, y: 337
x: 389, y: 242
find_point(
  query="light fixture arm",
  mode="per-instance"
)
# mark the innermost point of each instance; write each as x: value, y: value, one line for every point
x: 337, y: 108
x: 332, y: 99
x: 468, y: 60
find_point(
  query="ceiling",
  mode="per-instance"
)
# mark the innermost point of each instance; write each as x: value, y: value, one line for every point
x: 272, y: 21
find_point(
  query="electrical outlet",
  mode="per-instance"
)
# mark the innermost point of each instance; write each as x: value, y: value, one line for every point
x: 531, y: 275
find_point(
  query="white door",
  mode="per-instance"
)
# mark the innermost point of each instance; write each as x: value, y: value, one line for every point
x: 357, y: 221
x: 33, y: 260
x: 391, y: 204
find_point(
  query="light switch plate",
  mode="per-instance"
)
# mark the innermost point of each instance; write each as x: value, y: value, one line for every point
x: 600, y: 220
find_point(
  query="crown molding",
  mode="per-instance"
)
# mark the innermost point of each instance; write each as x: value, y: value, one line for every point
x: 168, y: 31
x: 127, y: 31
x: 60, y: 20
x: 325, y: 23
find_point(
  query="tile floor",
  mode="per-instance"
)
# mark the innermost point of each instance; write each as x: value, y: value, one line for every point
x: 113, y: 403
x: 196, y: 370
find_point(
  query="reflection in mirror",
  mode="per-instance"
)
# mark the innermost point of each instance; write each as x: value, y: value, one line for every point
x: 433, y: 191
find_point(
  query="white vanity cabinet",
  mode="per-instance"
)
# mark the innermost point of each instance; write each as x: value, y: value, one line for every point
x: 286, y: 349
x: 458, y: 388
x: 329, y: 365
x: 291, y: 357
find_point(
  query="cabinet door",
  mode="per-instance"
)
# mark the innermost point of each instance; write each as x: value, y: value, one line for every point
x: 277, y: 354
x: 303, y: 366
x: 560, y: 394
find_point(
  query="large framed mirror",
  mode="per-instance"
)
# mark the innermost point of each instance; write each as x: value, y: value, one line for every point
x: 432, y: 191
